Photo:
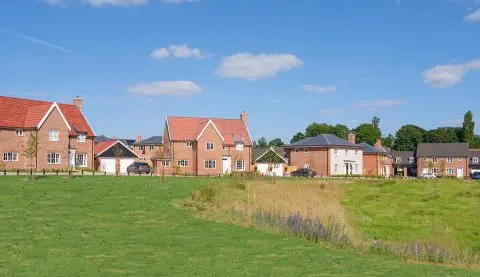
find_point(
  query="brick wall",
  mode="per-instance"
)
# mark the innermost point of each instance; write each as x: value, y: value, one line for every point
x: 53, y: 122
x: 147, y: 153
x: 456, y: 163
x: 371, y: 163
x: 11, y: 143
x: 210, y: 135
x: 316, y: 158
x: 84, y: 148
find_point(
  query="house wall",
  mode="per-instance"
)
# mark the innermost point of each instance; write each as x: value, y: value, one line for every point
x: 84, y: 148
x: 355, y: 156
x: 245, y: 154
x: 370, y: 164
x: 146, y: 154
x: 53, y: 122
x: 10, y: 142
x: 315, y: 158
x: 210, y: 135
x: 422, y: 162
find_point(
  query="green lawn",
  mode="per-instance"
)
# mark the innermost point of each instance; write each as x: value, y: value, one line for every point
x: 105, y: 226
x: 442, y: 211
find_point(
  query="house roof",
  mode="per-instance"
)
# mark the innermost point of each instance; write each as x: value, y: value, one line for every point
x: 155, y: 140
x: 324, y: 140
x: 258, y: 152
x: 26, y: 113
x: 402, y: 157
x: 102, y: 138
x: 103, y: 146
x: 368, y: 149
x: 189, y: 129
x: 442, y: 150
x: 474, y: 153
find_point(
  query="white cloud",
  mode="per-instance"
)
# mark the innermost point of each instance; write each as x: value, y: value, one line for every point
x: 319, y: 89
x: 179, y: 1
x: 382, y: 103
x: 331, y: 111
x: 181, y: 88
x: 442, y: 76
x: 474, y: 17
x: 100, y: 3
x: 55, y: 2
x: 254, y: 67
x: 178, y: 51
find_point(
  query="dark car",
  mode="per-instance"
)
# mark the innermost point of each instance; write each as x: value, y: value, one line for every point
x: 138, y: 167
x: 476, y: 176
x: 304, y: 172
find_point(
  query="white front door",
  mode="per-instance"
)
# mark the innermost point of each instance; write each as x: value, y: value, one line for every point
x: 71, y: 157
x: 124, y: 163
x: 227, y: 165
x: 459, y: 172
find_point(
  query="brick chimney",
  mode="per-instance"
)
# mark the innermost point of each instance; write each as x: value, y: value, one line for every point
x: 138, y: 138
x: 352, y: 138
x: 77, y: 101
x: 244, y: 116
x: 378, y: 144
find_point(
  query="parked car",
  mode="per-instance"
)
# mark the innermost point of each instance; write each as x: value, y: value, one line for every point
x: 476, y: 176
x: 428, y: 176
x: 304, y: 172
x: 138, y: 167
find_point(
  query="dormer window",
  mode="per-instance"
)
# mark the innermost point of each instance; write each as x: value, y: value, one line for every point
x: 81, y: 138
x: 19, y: 133
x: 410, y: 159
x: 475, y: 160
x: 53, y: 135
x: 189, y: 144
x: 239, y: 146
x: 210, y: 145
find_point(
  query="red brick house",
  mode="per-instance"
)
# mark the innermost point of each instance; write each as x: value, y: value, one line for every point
x: 65, y: 138
x: 377, y: 160
x: 443, y: 159
x: 147, y: 148
x: 205, y: 146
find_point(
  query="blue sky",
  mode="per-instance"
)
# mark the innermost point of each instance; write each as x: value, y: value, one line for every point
x: 287, y: 63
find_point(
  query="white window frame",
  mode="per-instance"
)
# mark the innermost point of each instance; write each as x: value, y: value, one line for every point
x: 10, y: 157
x: 296, y: 149
x: 434, y: 159
x: 209, y: 143
x: 306, y: 166
x: 411, y: 159
x: 165, y: 163
x: 19, y: 133
x: 450, y: 160
x: 84, y: 160
x: 81, y: 138
x: 182, y: 163
x: 475, y: 160
x: 210, y: 164
x: 224, y: 147
x: 55, y: 159
x: 239, y: 147
x: 398, y: 159
x: 141, y: 147
x: 151, y: 147
x: 356, y: 152
x: 335, y: 152
x: 305, y: 150
x: 241, y: 167
x: 189, y: 144
x: 435, y: 170
x: 450, y: 171
x: 53, y: 135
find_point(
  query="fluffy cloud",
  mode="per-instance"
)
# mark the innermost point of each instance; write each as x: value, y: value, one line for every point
x: 178, y: 51
x: 319, y: 89
x: 99, y: 3
x: 442, y: 76
x: 254, y: 67
x: 55, y: 2
x: 474, y: 17
x: 331, y: 111
x: 181, y: 88
x: 382, y: 103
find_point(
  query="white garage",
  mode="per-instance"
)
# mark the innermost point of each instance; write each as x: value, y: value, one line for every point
x: 269, y: 161
x: 108, y: 152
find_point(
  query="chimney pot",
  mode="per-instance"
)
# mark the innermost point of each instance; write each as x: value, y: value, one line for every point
x: 77, y: 101
x: 352, y: 138
x: 138, y: 138
x: 378, y: 144
x: 244, y: 116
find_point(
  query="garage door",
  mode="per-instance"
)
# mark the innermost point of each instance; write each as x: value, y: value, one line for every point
x: 263, y: 169
x: 124, y: 163
x: 107, y: 165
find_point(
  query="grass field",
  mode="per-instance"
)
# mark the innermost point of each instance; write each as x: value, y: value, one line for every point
x: 131, y: 226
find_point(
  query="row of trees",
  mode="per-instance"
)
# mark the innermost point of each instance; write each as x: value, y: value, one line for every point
x: 405, y: 139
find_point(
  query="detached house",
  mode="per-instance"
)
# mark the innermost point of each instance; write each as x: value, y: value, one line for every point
x: 65, y: 139
x: 377, y: 160
x: 327, y: 155
x: 444, y: 159
x: 146, y: 148
x: 205, y: 146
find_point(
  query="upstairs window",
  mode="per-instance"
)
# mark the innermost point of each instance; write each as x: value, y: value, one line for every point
x: 210, y: 145
x: 434, y: 160
x: 19, y: 133
x: 411, y: 159
x: 81, y: 138
x: 475, y: 160
x: 305, y: 150
x: 141, y: 147
x: 188, y: 144
x: 398, y: 159
x: 224, y: 147
x: 239, y: 146
x: 346, y: 152
x: 53, y: 135
x: 356, y: 152
x: 449, y: 160
x: 152, y: 147
x: 335, y: 152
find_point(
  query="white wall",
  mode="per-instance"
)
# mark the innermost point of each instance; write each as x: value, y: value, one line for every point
x: 341, y: 157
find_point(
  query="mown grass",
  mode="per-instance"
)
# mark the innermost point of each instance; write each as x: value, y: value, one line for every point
x: 129, y: 226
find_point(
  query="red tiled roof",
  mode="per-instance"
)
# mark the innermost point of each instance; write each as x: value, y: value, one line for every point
x: 188, y: 128
x: 102, y: 146
x: 25, y: 113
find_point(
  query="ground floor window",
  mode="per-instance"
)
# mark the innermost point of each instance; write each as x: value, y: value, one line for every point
x: 53, y: 158
x: 10, y: 157
x: 81, y: 160
x: 240, y: 165
x: 450, y: 171
x: 210, y: 164
x: 182, y: 163
x: 435, y: 170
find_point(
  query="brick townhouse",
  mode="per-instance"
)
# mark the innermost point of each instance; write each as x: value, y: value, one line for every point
x: 65, y: 138
x: 205, y: 146
x: 443, y: 159
x: 147, y: 148
x: 377, y: 160
x: 327, y: 155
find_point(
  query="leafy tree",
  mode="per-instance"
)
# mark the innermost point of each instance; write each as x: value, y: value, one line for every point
x: 341, y: 131
x: 316, y: 129
x: 262, y: 142
x: 388, y: 141
x: 274, y: 161
x: 442, y: 135
x: 298, y: 136
x: 31, y: 151
x: 468, y: 128
x: 408, y: 137
x: 276, y: 142
x: 376, y: 122
x: 367, y: 133
x: 118, y: 154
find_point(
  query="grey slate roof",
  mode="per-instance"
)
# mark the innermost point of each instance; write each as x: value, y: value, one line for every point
x: 368, y: 149
x: 257, y: 152
x: 444, y: 150
x: 155, y: 140
x: 102, y: 138
x: 402, y: 158
x: 474, y: 153
x: 324, y: 140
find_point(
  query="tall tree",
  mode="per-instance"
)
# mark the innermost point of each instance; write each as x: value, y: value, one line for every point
x: 367, y: 133
x: 408, y: 137
x: 468, y: 128
x: 442, y: 135
x: 276, y: 142
x: 388, y: 141
x: 341, y: 131
x: 298, y: 136
x: 376, y: 122
x: 262, y: 142
x: 316, y: 129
